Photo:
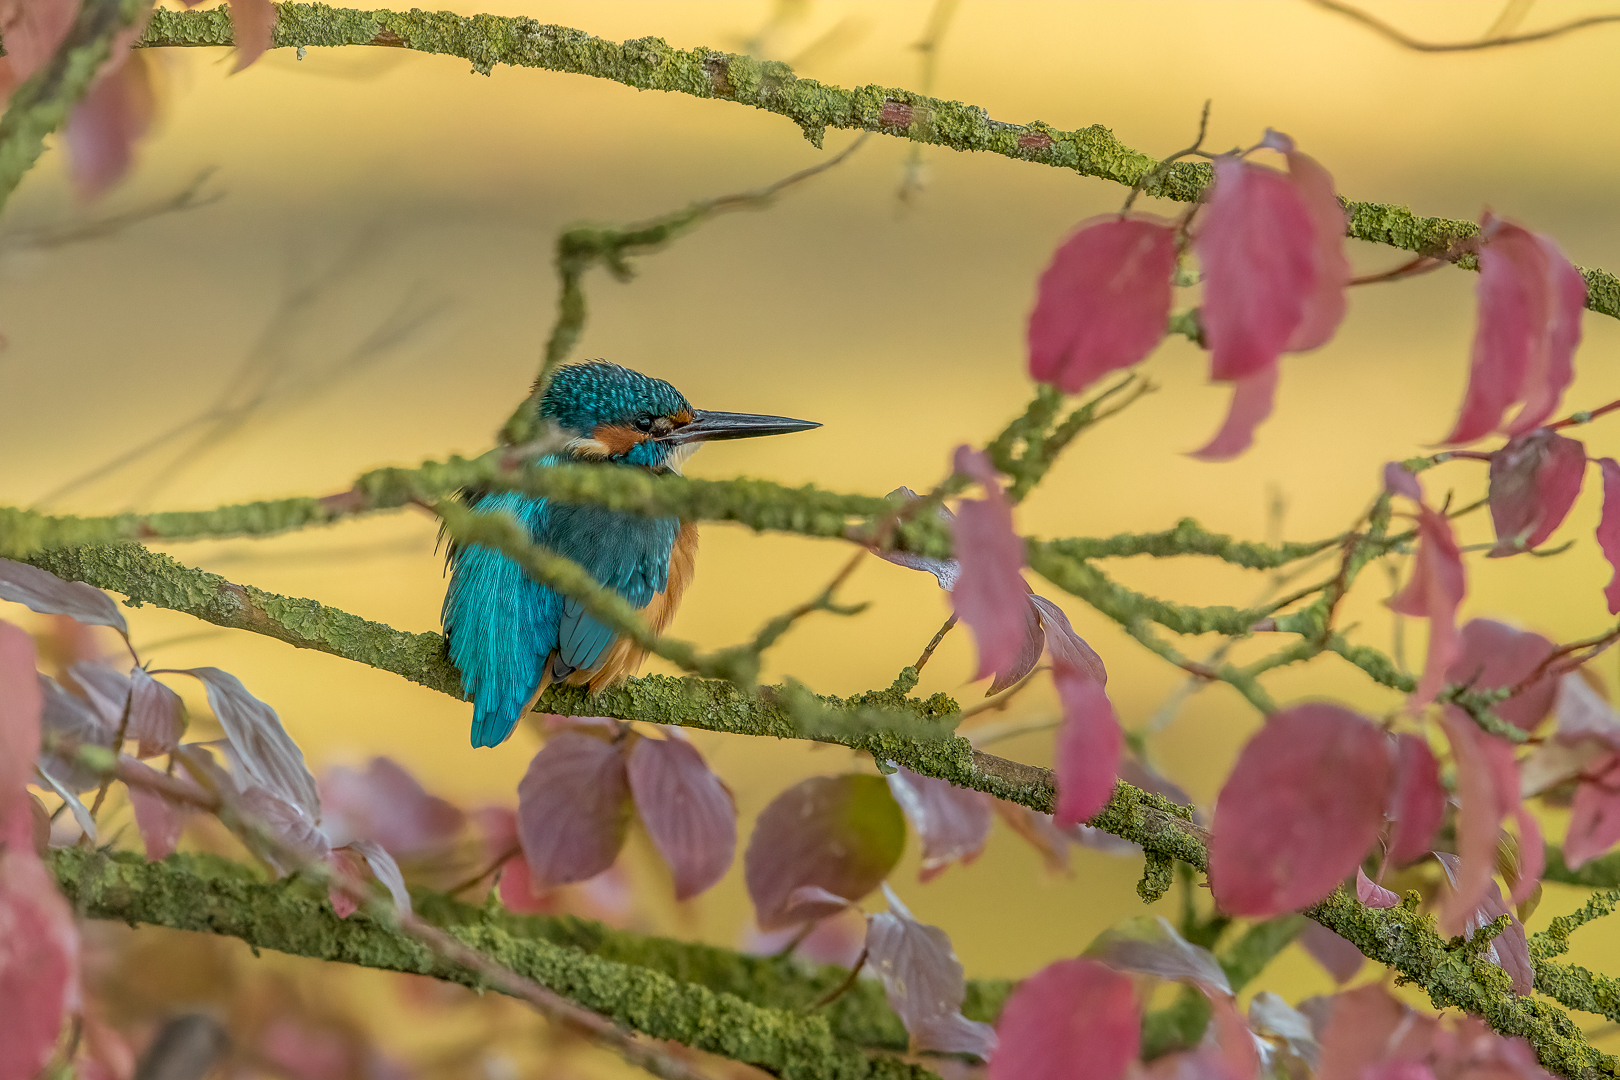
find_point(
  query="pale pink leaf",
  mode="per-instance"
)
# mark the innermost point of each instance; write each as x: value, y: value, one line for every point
x: 44, y: 592
x: 159, y: 819
x: 990, y: 596
x: 520, y: 893
x: 253, y: 24
x: 1339, y: 957
x: 1399, y: 480
x: 1530, y: 303
x: 952, y: 822
x: 157, y: 717
x: 387, y: 805
x: 1372, y: 894
x: 103, y: 128
x: 1258, y: 248
x: 345, y: 864
x: 1301, y: 808
x: 1029, y: 652
x: 836, y: 939
x: 1418, y: 803
x: 1509, y: 950
x: 1067, y: 648
x: 573, y: 808
x: 923, y: 981
x: 1252, y: 398
x: 1088, y: 746
x: 687, y: 811
x: 1325, y: 304
x: 107, y: 690
x: 39, y: 964
x: 1534, y: 481
x: 387, y: 870
x: 1367, y: 1027
x: 1496, y: 656
x: 298, y: 836
x: 1102, y: 302
x: 839, y: 833
x: 1434, y: 592
x: 1149, y: 945
x: 1237, y: 1050
x: 1274, y: 1018
x: 1594, y: 822
x: 1608, y: 529
x: 74, y: 722
x: 22, y: 700
x: 32, y: 30
x: 1584, y: 714
x: 1487, y: 792
x: 268, y: 755
x: 945, y: 571
x: 81, y: 812
x: 1072, y: 1020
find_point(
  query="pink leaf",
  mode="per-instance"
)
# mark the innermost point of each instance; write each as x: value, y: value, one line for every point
x: 107, y: 690
x: 1594, y: 823
x: 108, y: 121
x: 345, y: 864
x: 1252, y: 398
x: 156, y: 715
x: 1530, y: 304
x: 32, y: 30
x: 1434, y: 592
x: 253, y: 24
x: 573, y: 808
x: 953, y: 822
x: 837, y: 939
x: 299, y: 835
x: 1487, y: 791
x: 945, y: 571
x: 1302, y: 806
x: 1368, y: 1027
x: 1088, y: 746
x: 1149, y: 945
x: 159, y: 819
x: 1067, y: 648
x: 1340, y: 957
x: 1029, y: 652
x: 1608, y: 530
x: 519, y: 892
x: 1534, y: 481
x: 48, y: 594
x: 1399, y: 480
x: 1495, y: 656
x: 687, y: 811
x: 39, y: 963
x: 387, y: 805
x: 1584, y: 714
x: 990, y: 595
x: 1258, y: 248
x: 1509, y: 950
x: 1373, y: 895
x: 387, y: 870
x: 1418, y: 803
x: 839, y: 833
x: 268, y: 755
x: 1072, y: 1020
x: 923, y: 981
x: 1324, y: 306
x: 22, y: 700
x: 1103, y: 301
x: 70, y: 718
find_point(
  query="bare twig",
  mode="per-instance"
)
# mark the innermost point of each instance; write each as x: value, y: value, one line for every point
x: 1488, y: 42
x: 939, y: 636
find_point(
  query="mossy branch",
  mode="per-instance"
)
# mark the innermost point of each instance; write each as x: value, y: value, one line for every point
x: 649, y: 63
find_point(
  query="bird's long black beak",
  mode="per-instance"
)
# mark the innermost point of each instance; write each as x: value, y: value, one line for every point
x: 707, y: 426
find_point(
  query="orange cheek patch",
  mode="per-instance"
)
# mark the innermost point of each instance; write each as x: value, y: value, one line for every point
x: 618, y: 440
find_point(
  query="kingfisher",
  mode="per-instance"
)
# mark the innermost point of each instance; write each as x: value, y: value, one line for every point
x: 510, y: 636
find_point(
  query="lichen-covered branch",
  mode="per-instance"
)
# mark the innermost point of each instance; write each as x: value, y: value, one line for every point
x: 651, y: 64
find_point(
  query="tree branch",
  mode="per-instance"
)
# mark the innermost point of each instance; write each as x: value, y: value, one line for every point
x: 651, y: 64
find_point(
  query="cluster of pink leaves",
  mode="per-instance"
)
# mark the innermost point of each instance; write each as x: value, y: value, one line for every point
x: 115, y: 113
x: 1081, y: 1019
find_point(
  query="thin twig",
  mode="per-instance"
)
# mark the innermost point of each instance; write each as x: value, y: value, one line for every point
x: 844, y: 987
x: 939, y: 636
x: 1418, y: 266
x: 1003, y: 699
x: 500, y: 861
x: 1010, y: 729
x: 1407, y: 41
x: 1157, y: 172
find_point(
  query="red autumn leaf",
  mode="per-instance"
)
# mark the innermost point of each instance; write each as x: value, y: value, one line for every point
x: 573, y: 808
x: 1594, y: 823
x: 1495, y: 656
x: 842, y: 834
x: 48, y: 594
x: 1072, y: 1020
x: 386, y: 804
x: 159, y: 819
x: 1301, y: 808
x: 1088, y: 746
x: 21, y: 703
x: 1418, y: 803
x: 1103, y: 301
x: 1509, y: 950
x: 268, y: 756
x: 923, y: 981
x: 1149, y: 945
x: 1340, y: 957
x: 108, y: 121
x: 1367, y: 1027
x: 1372, y: 894
x: 1434, y: 592
x: 32, y: 30
x: 1399, y: 480
x: 1534, y: 481
x: 1252, y: 398
x: 39, y: 963
x: 687, y: 811
x: 1257, y: 244
x: 345, y: 864
x: 990, y: 596
x: 1487, y: 792
x: 1067, y: 648
x: 1530, y: 304
x: 157, y: 717
x: 1324, y: 306
x: 253, y: 23
x: 1608, y: 530
x: 952, y: 822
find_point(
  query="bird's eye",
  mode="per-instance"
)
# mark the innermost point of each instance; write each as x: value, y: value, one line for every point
x: 644, y: 422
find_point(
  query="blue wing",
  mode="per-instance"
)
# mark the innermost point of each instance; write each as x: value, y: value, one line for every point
x: 504, y: 628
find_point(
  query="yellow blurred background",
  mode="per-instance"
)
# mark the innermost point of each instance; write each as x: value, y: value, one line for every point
x: 376, y: 284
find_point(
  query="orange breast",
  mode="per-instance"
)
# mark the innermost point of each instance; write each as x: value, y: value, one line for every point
x: 624, y: 657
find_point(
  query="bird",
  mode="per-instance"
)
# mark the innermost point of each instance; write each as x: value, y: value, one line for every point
x: 510, y: 636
